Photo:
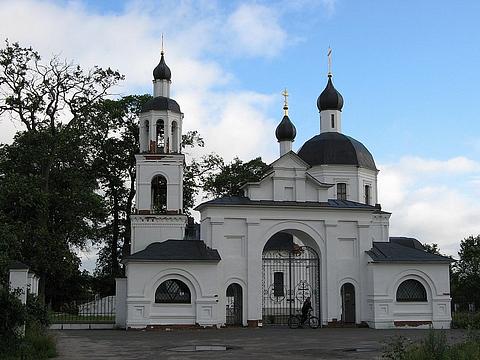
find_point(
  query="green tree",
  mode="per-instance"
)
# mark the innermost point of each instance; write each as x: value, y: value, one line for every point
x: 47, y: 190
x: 230, y: 178
x: 466, y: 272
x: 432, y: 248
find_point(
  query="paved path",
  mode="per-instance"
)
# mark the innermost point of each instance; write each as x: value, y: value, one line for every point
x: 266, y: 343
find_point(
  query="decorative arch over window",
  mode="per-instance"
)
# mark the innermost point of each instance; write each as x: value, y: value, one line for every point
x: 173, y: 291
x: 159, y: 194
x: 160, y: 136
x: 411, y: 290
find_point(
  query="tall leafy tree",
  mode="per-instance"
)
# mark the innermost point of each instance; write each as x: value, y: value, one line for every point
x: 47, y: 188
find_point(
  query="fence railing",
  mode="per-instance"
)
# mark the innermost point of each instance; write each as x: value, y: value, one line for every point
x: 95, y: 310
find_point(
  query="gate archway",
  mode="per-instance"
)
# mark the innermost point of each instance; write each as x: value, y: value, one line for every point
x: 234, y: 311
x: 290, y: 274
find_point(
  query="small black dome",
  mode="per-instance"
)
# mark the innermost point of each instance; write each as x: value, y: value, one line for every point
x: 161, y: 103
x: 285, y: 130
x: 333, y: 148
x: 162, y: 71
x: 330, y: 98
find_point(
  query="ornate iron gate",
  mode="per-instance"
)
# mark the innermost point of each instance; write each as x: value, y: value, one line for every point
x: 288, y: 278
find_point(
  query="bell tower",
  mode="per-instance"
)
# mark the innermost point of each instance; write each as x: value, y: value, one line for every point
x: 159, y: 182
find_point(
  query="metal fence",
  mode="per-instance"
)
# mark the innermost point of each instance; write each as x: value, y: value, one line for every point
x: 95, y: 310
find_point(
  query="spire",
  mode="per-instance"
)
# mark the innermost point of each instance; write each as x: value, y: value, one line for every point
x: 285, y: 131
x: 162, y: 71
x: 330, y: 98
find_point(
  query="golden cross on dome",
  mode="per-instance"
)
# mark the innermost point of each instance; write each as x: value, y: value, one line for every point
x: 285, y: 104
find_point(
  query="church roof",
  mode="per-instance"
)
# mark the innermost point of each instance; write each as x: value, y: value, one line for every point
x: 161, y: 103
x: 245, y: 201
x: 404, y: 250
x: 334, y: 148
x: 176, y: 250
x: 17, y: 265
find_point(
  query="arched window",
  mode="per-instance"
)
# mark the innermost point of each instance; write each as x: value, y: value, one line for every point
x: 173, y: 291
x: 175, y: 137
x: 159, y: 194
x: 160, y: 137
x: 411, y: 291
x: 332, y: 117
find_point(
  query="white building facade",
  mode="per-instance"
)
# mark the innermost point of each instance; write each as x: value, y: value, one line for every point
x: 311, y: 227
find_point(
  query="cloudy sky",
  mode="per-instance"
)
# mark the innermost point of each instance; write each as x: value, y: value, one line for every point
x: 408, y: 71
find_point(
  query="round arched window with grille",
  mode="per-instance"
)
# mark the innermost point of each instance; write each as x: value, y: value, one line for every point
x: 411, y: 290
x: 173, y: 291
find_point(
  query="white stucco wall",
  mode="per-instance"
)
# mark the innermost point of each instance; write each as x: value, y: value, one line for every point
x: 384, y: 280
x: 201, y: 279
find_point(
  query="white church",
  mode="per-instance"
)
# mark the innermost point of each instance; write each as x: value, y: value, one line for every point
x: 311, y: 227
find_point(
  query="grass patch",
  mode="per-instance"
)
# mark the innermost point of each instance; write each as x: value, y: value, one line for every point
x: 65, y: 318
x: 466, y: 320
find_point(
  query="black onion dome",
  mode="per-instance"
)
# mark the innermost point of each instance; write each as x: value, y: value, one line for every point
x: 333, y: 148
x: 285, y: 130
x: 330, y: 98
x: 161, y: 103
x: 162, y: 71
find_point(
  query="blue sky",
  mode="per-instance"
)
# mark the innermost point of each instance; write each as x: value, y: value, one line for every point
x: 408, y: 71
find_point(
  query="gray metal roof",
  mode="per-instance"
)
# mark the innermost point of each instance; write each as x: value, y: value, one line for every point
x: 331, y: 204
x: 175, y: 250
x: 161, y: 103
x: 330, y: 98
x: 162, y: 71
x: 401, y: 249
x: 285, y: 130
x: 334, y: 148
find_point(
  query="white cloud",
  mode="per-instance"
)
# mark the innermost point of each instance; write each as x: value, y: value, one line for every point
x: 255, y: 30
x: 432, y: 199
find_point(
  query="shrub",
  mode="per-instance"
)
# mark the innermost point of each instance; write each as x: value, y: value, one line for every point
x: 12, y: 314
x: 37, y: 312
x: 433, y: 347
x: 466, y: 320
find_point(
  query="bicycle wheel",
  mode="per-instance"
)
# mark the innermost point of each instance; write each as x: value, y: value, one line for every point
x: 313, y: 322
x: 293, y: 322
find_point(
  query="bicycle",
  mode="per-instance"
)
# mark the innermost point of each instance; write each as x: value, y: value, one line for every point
x: 295, y: 321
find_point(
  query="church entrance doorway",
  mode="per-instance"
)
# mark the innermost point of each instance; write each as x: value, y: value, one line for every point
x: 347, y: 292
x: 290, y: 274
x: 234, y: 305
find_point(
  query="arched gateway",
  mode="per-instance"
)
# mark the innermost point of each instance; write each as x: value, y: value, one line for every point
x: 290, y: 274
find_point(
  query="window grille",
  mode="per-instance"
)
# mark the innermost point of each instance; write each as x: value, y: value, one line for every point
x: 173, y: 291
x: 411, y: 291
x: 342, y: 191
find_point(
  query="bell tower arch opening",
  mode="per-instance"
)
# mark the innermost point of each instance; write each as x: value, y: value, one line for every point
x: 159, y: 194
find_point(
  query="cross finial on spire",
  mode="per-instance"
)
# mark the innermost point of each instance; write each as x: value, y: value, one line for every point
x: 285, y: 104
x: 329, y: 55
x: 162, y: 45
